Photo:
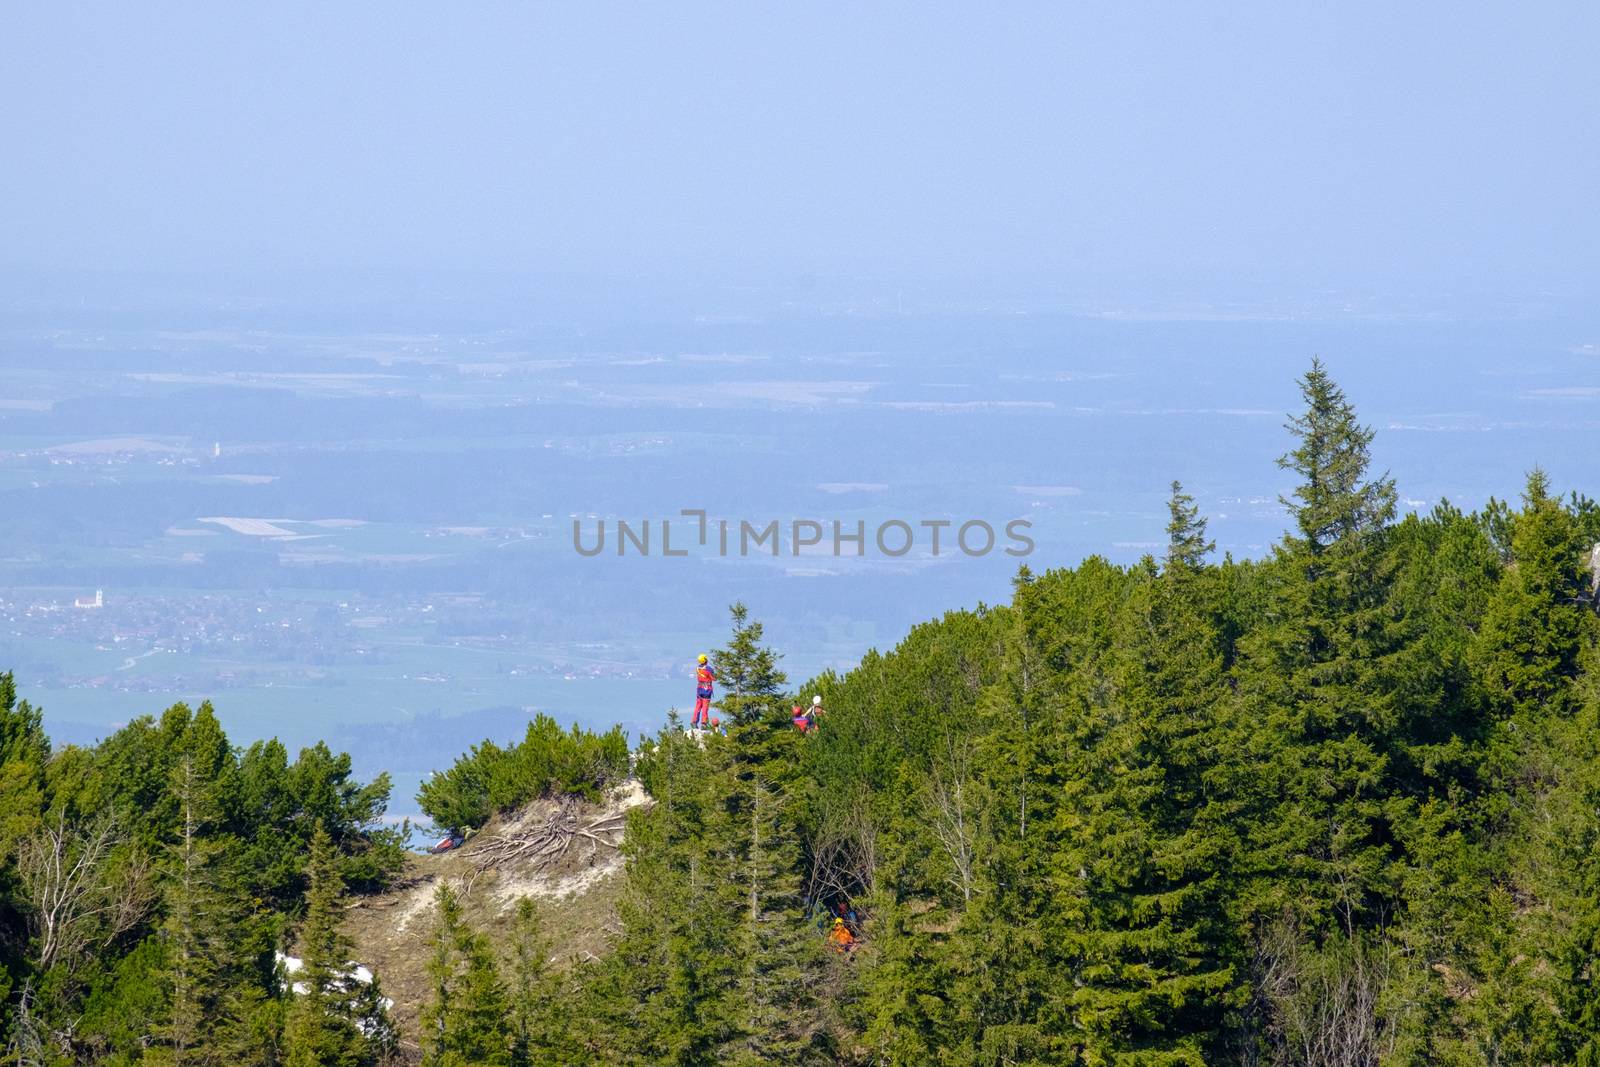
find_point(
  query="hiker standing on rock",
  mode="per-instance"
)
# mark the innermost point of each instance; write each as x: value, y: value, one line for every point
x: 703, y: 678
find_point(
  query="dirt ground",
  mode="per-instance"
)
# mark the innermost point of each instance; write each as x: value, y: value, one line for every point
x: 576, y: 893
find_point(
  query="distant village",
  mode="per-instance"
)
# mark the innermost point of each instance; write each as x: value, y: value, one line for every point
x: 150, y: 641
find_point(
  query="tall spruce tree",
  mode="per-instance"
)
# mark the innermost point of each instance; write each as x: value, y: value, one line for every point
x: 750, y: 683
x: 756, y: 860
x: 1161, y: 969
x: 1318, y: 712
x: 778, y: 950
x: 1536, y: 997
x: 716, y: 955
x: 1335, y: 505
x: 464, y: 1022
x: 1187, y: 544
x: 1131, y: 890
x: 321, y: 1030
x: 1024, y: 949
x: 667, y: 983
x: 541, y: 1023
x: 200, y: 919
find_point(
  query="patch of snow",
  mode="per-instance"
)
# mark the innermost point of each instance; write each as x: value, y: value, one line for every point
x: 352, y: 972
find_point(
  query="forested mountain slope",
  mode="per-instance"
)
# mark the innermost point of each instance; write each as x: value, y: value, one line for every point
x: 1337, y: 806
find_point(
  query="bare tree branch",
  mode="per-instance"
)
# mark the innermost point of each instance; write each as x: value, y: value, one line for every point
x: 79, y: 894
x: 950, y: 788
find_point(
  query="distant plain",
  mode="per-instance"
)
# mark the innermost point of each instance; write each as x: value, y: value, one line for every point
x: 362, y: 530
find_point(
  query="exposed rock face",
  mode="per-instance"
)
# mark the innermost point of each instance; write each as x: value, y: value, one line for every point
x: 1594, y: 574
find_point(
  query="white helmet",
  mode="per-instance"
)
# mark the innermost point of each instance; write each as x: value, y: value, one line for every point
x: 816, y: 701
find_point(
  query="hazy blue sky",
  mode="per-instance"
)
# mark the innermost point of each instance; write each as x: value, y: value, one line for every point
x: 1382, y: 145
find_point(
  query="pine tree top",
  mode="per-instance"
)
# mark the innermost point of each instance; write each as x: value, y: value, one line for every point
x: 1335, y: 499
x: 1187, y: 545
x: 747, y: 670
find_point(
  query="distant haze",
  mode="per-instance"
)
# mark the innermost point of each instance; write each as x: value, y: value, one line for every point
x: 1420, y: 147
x: 321, y: 323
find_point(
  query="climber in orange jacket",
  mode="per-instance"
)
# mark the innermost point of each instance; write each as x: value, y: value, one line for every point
x: 703, y: 678
x: 840, y: 939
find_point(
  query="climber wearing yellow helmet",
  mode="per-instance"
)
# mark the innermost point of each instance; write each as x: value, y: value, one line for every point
x: 703, y: 677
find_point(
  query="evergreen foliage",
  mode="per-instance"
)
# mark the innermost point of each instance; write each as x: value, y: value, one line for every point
x: 546, y: 761
x: 146, y: 883
x: 324, y: 1029
x: 464, y: 1023
x: 533, y: 994
x: 1187, y: 545
x: 1336, y: 806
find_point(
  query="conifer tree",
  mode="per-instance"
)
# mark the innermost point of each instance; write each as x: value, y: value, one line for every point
x: 1528, y: 644
x: 751, y: 685
x: 777, y: 949
x: 673, y: 966
x: 321, y: 1030
x: 715, y: 950
x: 758, y: 856
x: 1187, y: 545
x: 1022, y: 948
x: 1335, y: 504
x: 196, y: 929
x: 24, y: 750
x: 464, y: 1022
x: 1158, y: 967
x: 442, y: 984
x: 1318, y: 716
x: 532, y: 996
x: 1579, y: 995
x: 1531, y: 648
x: 1124, y: 856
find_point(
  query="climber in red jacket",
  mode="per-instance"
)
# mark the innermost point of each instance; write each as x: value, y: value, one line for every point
x: 703, y: 677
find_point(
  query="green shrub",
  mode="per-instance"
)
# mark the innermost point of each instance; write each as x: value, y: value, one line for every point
x: 547, y: 761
